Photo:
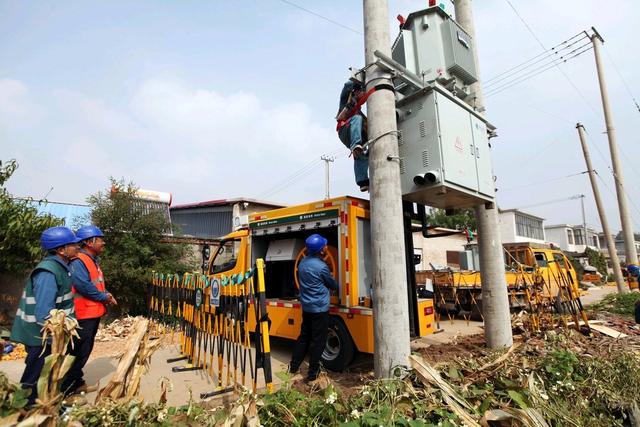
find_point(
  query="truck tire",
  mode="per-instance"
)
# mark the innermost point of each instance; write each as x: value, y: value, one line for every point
x: 340, y: 349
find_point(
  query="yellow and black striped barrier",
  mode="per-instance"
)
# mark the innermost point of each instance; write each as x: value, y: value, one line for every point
x: 222, y: 323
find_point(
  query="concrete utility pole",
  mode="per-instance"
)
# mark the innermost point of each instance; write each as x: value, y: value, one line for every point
x: 495, y: 297
x: 611, y: 246
x: 390, y: 300
x: 625, y: 220
x: 584, y: 222
x: 326, y: 159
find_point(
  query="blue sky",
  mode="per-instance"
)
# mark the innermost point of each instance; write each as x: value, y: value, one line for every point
x: 229, y: 99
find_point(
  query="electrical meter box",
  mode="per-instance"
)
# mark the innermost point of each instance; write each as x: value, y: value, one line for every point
x: 436, y: 48
x: 284, y: 250
x: 444, y: 151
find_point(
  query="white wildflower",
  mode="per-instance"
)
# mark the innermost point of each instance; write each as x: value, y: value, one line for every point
x: 331, y: 398
x: 355, y: 414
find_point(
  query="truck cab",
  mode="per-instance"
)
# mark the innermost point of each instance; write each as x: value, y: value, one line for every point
x: 278, y: 237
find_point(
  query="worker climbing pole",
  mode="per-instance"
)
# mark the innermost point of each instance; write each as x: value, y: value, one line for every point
x: 215, y: 317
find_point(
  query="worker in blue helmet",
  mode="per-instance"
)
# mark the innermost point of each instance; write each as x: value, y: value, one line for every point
x: 315, y: 281
x: 91, y: 300
x: 48, y: 287
x: 352, y: 129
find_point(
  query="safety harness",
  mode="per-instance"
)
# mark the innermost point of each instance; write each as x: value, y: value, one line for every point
x: 356, y: 108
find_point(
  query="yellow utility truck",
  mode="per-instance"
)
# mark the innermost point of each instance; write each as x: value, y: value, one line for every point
x: 536, y: 274
x: 278, y: 237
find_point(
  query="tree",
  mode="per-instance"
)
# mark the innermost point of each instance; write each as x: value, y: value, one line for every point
x: 620, y: 236
x: 20, y: 227
x: 134, y: 246
x: 459, y: 220
x: 597, y: 260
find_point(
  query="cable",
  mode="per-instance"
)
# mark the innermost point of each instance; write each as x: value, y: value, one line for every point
x: 536, y: 72
x: 560, y: 59
x: 285, y: 182
x: 538, y: 58
x: 544, y: 182
x: 297, y: 6
x: 290, y: 179
x: 561, y: 70
x: 575, y: 197
x: 624, y: 82
x: 615, y: 196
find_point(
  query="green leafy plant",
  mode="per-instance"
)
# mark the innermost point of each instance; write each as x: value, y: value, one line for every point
x: 597, y: 260
x: 459, y: 220
x: 134, y: 236
x: 21, y: 227
x: 623, y: 304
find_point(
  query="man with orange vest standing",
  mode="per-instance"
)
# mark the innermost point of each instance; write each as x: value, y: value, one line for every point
x: 90, y: 300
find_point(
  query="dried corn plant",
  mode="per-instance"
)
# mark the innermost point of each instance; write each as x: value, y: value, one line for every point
x: 59, y: 329
x: 143, y: 342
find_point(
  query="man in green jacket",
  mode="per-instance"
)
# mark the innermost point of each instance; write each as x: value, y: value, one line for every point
x: 48, y: 288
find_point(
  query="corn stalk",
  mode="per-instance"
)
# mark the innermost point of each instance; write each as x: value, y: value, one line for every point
x: 59, y: 329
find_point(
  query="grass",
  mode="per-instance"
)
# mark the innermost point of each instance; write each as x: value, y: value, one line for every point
x: 623, y: 304
x: 564, y: 378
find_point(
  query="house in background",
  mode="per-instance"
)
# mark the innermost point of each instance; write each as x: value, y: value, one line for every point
x: 520, y: 227
x: 215, y: 218
x: 440, y: 250
x: 619, y: 242
x: 570, y: 238
x: 74, y: 214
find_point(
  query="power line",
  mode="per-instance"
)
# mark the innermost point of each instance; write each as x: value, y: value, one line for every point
x: 297, y: 6
x: 624, y: 82
x: 536, y: 72
x: 290, y: 179
x: 527, y: 71
x: 545, y: 181
x: 614, y: 195
x: 578, y: 91
x: 549, y: 202
x: 554, y: 51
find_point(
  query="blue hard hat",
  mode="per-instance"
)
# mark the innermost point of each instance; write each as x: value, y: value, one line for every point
x: 89, y: 231
x: 315, y: 243
x: 55, y: 237
x: 633, y: 269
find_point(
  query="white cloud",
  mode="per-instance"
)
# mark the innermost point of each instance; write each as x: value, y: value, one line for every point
x: 16, y: 106
x: 197, y: 143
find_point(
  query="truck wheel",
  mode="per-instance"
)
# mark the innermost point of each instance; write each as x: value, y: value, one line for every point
x: 340, y: 349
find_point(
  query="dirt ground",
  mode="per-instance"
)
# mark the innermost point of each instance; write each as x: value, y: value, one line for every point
x: 456, y: 338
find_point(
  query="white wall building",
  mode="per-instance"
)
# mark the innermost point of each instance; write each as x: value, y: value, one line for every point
x: 434, y: 250
x: 571, y: 237
x: 519, y: 227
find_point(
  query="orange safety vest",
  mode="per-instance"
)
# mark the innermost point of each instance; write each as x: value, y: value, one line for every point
x: 86, y: 308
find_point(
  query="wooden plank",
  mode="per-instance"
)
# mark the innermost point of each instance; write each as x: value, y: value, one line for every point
x: 608, y: 331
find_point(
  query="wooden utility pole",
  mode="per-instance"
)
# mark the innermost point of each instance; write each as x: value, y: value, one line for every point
x: 631, y: 255
x: 390, y: 300
x: 613, y: 254
x: 495, y: 296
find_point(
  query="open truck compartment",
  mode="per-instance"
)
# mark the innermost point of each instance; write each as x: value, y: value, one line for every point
x: 278, y: 237
x: 280, y: 252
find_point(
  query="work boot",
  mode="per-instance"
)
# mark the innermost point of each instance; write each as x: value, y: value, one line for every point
x: 364, y: 188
